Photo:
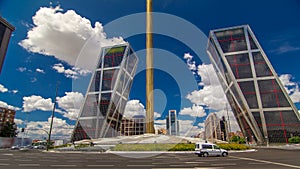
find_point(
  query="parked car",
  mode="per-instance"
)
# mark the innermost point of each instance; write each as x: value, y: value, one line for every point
x: 15, y: 148
x: 207, y: 149
x: 39, y: 147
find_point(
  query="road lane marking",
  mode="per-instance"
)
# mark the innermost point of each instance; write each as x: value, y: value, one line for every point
x: 137, y: 165
x: 2, y: 164
x: 257, y: 163
x: 224, y: 164
x: 268, y: 162
x: 29, y: 165
x: 63, y: 165
x: 99, y: 165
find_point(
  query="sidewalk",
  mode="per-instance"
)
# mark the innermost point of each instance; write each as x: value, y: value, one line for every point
x: 283, y: 147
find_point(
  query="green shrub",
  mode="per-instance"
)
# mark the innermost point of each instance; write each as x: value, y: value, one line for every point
x: 154, y: 147
x: 238, y: 139
x: 294, y: 140
x: 233, y: 146
x: 183, y: 147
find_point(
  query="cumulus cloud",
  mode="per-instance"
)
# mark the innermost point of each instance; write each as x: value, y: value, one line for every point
x: 194, y: 111
x: 189, y: 60
x: 5, y: 105
x: 134, y: 107
x: 3, y: 89
x: 70, y: 73
x: 65, y: 36
x: 32, y: 103
x: 71, y: 104
x: 40, y: 70
x: 291, y: 87
x: 61, y: 129
x: 212, y: 94
x: 187, y: 128
x: 18, y: 122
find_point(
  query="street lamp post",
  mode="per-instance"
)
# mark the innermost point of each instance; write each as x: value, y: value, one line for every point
x: 51, y: 123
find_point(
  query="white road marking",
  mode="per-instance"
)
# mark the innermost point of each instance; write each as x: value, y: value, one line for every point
x: 3, y: 164
x: 63, y: 165
x: 268, y: 162
x: 29, y: 165
x: 224, y: 164
x: 146, y: 165
x: 108, y: 165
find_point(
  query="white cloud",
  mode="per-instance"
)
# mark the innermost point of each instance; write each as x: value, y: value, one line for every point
x: 157, y: 115
x: 64, y: 35
x: 33, y: 79
x: 18, y: 122
x: 5, y: 105
x: 194, y: 111
x: 22, y: 69
x: 212, y: 94
x: 40, y: 70
x: 60, y: 130
x: 3, y: 89
x: 14, y: 91
x: 134, y: 107
x: 32, y: 103
x: 70, y: 73
x: 189, y: 60
x: 187, y: 128
x: 71, y: 103
x: 292, y: 88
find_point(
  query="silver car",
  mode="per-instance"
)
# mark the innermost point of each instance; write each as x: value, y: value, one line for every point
x: 207, y: 149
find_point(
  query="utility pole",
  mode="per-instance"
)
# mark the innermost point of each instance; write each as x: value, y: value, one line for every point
x: 149, y: 71
x: 51, y: 123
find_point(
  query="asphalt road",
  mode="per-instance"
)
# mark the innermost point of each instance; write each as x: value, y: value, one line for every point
x: 263, y: 158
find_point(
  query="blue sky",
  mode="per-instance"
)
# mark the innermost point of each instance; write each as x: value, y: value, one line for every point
x: 29, y: 75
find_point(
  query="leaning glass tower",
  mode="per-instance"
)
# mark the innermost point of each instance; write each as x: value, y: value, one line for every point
x: 261, y: 105
x: 102, y: 111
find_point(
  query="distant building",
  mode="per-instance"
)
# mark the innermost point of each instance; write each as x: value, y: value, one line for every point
x: 172, y: 123
x: 215, y: 128
x: 102, y: 111
x: 6, y: 115
x: 133, y: 126
x: 6, y: 30
x: 261, y: 105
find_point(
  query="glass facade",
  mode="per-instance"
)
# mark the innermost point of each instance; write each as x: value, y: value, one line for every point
x: 262, y: 107
x: 6, y: 30
x: 102, y: 111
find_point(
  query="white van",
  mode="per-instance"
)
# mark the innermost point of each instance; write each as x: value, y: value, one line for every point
x: 207, y: 149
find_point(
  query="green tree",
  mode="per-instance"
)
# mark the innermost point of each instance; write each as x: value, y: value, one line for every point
x: 238, y: 139
x: 9, y: 130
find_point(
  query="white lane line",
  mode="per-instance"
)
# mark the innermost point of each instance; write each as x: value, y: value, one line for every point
x: 29, y: 165
x: 257, y: 163
x: 223, y: 164
x: 63, y: 165
x: 108, y: 165
x: 268, y: 162
x: 3, y: 164
x: 136, y: 165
